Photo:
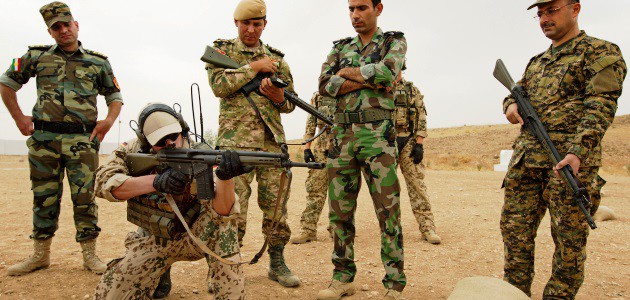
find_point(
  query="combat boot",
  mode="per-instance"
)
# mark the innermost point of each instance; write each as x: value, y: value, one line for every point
x: 393, y: 295
x: 164, y: 286
x: 39, y: 260
x: 336, y: 290
x: 431, y: 237
x: 90, y: 260
x: 278, y: 270
x: 304, y: 237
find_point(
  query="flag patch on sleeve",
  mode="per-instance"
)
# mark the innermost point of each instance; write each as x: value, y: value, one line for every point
x: 17, y: 64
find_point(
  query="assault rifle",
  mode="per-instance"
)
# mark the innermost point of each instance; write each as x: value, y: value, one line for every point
x: 212, y: 56
x: 536, y: 127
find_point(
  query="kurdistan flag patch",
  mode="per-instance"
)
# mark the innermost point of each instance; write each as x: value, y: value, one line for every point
x: 17, y: 64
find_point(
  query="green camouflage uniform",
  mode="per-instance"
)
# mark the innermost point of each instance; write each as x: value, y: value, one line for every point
x: 317, y: 180
x: 241, y: 129
x: 367, y: 147
x: 574, y: 89
x: 411, y: 122
x: 66, y: 92
x: 137, y: 273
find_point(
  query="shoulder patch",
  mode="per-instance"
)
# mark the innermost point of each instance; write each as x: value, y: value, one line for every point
x: 276, y: 51
x: 397, y: 34
x: 101, y: 55
x: 39, y: 47
x: 343, y: 41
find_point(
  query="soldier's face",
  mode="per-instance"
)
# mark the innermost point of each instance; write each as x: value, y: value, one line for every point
x: 558, y: 18
x: 65, y: 33
x: 169, y: 143
x: 363, y: 15
x: 249, y: 31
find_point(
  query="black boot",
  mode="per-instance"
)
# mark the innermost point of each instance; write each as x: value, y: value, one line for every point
x: 164, y: 286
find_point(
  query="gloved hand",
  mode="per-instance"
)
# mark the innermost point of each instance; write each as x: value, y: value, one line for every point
x: 417, y: 153
x: 308, y: 156
x: 230, y: 166
x: 171, y: 182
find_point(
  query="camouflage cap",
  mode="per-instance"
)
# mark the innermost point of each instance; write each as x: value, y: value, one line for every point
x: 158, y: 125
x: 539, y: 2
x: 55, y: 12
x: 250, y: 9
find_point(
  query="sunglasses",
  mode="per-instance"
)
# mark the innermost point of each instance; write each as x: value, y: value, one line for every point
x: 162, y: 142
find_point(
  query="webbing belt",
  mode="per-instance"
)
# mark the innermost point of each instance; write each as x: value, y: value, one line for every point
x: 364, y: 116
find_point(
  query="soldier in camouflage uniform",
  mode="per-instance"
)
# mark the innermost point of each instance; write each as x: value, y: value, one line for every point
x: 411, y: 127
x: 317, y: 180
x: 573, y: 86
x: 252, y: 123
x: 149, y: 254
x: 64, y: 132
x: 360, y: 73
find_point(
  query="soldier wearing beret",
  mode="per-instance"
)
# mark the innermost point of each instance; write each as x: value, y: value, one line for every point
x: 64, y: 132
x: 573, y: 86
x: 253, y: 122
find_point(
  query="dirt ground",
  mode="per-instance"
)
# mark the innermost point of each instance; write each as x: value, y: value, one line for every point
x: 466, y: 205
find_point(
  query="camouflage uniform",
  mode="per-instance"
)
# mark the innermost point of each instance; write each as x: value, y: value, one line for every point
x: 411, y: 122
x: 241, y: 129
x: 369, y: 147
x: 136, y: 275
x: 67, y: 87
x: 574, y: 89
x: 317, y: 180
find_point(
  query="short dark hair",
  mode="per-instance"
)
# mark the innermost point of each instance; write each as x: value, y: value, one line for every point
x: 377, y: 2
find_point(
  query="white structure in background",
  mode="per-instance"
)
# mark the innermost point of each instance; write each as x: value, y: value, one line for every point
x: 18, y: 147
x: 504, y: 161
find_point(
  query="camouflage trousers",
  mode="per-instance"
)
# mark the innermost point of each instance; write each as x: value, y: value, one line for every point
x: 367, y: 148
x: 418, y: 197
x: 316, y: 193
x: 268, y: 187
x: 528, y: 194
x: 136, y: 275
x: 49, y: 154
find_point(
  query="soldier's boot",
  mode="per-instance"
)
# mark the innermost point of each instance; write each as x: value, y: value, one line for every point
x: 431, y: 237
x: 90, y: 260
x: 304, y: 237
x: 336, y: 290
x: 39, y: 260
x: 278, y: 270
x: 393, y: 295
x: 164, y: 286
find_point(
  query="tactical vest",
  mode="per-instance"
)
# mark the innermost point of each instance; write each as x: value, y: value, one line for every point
x: 405, y: 113
x: 327, y: 106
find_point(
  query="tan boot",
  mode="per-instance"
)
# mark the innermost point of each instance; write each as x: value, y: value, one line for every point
x: 304, y: 237
x: 336, y: 290
x: 90, y: 260
x: 278, y: 270
x: 39, y: 260
x: 393, y: 295
x: 431, y: 237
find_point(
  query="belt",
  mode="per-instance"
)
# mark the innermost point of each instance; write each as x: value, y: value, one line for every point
x: 364, y: 116
x: 63, y: 127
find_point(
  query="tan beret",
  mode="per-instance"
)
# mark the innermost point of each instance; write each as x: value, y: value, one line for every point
x: 250, y: 9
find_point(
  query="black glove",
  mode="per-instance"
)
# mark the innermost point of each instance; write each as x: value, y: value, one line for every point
x: 230, y: 166
x: 417, y: 153
x: 308, y: 156
x: 171, y: 182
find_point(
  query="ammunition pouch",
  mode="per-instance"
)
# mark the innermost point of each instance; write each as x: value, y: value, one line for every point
x: 405, y: 112
x: 363, y: 116
x: 160, y: 223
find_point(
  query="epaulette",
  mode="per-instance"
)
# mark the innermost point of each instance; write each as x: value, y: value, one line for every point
x: 39, y: 47
x: 397, y: 34
x: 343, y: 41
x: 221, y: 42
x: 276, y: 51
x: 101, y: 55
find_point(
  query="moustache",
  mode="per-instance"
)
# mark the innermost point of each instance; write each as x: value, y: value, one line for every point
x: 548, y: 24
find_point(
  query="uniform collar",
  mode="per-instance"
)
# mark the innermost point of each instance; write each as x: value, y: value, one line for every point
x: 55, y: 47
x: 377, y: 37
x: 567, y: 47
x: 243, y: 48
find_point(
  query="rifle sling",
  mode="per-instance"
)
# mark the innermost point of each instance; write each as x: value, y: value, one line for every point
x: 253, y: 105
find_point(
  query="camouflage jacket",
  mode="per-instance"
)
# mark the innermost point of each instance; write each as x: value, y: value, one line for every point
x: 410, y: 111
x: 574, y: 90
x: 239, y: 125
x: 66, y: 86
x: 327, y: 106
x: 380, y: 61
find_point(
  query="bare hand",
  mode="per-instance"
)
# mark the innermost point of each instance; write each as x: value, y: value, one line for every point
x: 264, y: 65
x: 101, y: 129
x: 512, y: 114
x: 571, y: 160
x: 25, y: 125
x: 275, y: 94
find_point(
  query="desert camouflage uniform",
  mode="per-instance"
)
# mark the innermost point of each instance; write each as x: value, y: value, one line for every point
x: 574, y: 89
x: 317, y: 180
x: 137, y: 273
x: 410, y: 109
x: 66, y: 92
x: 368, y: 147
x: 241, y: 129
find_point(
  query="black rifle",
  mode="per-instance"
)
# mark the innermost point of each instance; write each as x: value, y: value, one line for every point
x: 212, y: 56
x: 536, y: 127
